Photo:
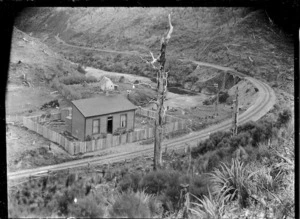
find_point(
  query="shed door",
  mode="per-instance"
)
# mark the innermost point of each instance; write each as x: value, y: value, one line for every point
x: 109, y: 124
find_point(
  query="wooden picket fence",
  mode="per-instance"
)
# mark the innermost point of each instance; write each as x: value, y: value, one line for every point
x: 32, y: 123
x: 152, y: 114
x: 76, y: 147
x: 13, y: 118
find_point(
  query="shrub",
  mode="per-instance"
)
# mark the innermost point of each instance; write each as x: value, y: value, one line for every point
x: 77, y: 79
x: 130, y: 181
x: 242, y: 139
x: 65, y: 90
x: 206, y: 162
x: 192, y: 79
x: 216, y: 140
x: 122, y: 79
x: 259, y: 131
x: 155, y: 181
x: 153, y: 80
x: 207, y: 102
x: 266, y: 180
x: 55, y: 84
x: 223, y: 97
x: 177, y: 133
x: 284, y: 117
x: 71, y: 179
x: 88, y: 138
x: 86, y: 207
x: 80, y: 69
x: 131, y: 206
x: 208, y: 206
x: 172, y: 192
x: 119, y: 131
x: 231, y: 182
x: 163, y: 183
x: 70, y: 93
x: 199, y: 184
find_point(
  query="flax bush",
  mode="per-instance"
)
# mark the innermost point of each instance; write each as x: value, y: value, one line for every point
x: 131, y: 205
x: 231, y: 182
x: 209, y: 207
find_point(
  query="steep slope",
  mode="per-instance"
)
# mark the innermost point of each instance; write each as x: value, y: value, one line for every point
x: 241, y: 38
x: 33, y: 62
x: 35, y: 59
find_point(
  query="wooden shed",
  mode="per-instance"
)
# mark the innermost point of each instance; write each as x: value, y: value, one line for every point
x: 102, y: 115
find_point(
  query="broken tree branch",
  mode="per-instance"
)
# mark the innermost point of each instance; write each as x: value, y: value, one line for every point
x: 170, y: 31
x: 152, y: 62
x: 153, y: 59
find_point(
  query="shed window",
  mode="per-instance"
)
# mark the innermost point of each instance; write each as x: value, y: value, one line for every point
x: 123, y: 121
x: 96, y: 126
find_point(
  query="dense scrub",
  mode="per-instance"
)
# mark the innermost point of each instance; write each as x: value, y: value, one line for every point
x: 244, y: 172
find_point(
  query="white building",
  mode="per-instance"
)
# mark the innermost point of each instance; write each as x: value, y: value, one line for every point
x: 106, y: 84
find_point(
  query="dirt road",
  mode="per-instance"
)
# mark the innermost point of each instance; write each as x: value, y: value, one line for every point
x: 100, y: 50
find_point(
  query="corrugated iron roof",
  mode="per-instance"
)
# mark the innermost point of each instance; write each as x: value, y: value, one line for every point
x: 103, y: 105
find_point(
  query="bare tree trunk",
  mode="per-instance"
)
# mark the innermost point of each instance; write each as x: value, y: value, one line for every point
x: 159, y: 124
x: 162, y: 77
x: 161, y: 95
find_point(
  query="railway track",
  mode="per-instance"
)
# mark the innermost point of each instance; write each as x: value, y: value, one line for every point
x: 262, y: 105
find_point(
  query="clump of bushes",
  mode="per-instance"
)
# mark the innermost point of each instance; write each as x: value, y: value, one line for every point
x: 249, y: 133
x: 284, y: 117
x: 122, y: 79
x: 77, y: 79
x: 132, y: 205
x: 209, y: 101
x: 130, y: 182
x: 65, y: 90
x: 120, y: 131
x: 153, y: 80
x: 177, y: 133
x: 80, y: 69
x: 86, y: 207
x: 223, y: 97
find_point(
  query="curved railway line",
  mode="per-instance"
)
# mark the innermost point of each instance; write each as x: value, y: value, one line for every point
x: 261, y: 106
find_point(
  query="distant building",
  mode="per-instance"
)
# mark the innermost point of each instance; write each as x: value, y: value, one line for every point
x: 102, y: 115
x: 106, y: 84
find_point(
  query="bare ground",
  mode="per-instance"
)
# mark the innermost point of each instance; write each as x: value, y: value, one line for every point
x: 26, y: 149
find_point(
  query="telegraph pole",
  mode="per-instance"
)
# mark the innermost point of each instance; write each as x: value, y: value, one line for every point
x: 217, y: 100
x: 224, y: 80
x: 235, y: 112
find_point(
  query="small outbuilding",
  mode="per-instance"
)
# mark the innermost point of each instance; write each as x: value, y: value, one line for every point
x: 101, y: 115
x: 106, y: 84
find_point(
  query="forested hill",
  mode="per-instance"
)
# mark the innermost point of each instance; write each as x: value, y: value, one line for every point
x: 243, y: 38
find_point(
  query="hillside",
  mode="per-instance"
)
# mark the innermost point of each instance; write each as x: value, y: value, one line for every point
x: 241, y: 38
x: 32, y: 65
x: 59, y: 53
x: 35, y: 55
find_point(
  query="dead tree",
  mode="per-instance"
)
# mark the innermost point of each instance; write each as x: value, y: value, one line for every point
x: 159, y: 65
x: 235, y: 112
